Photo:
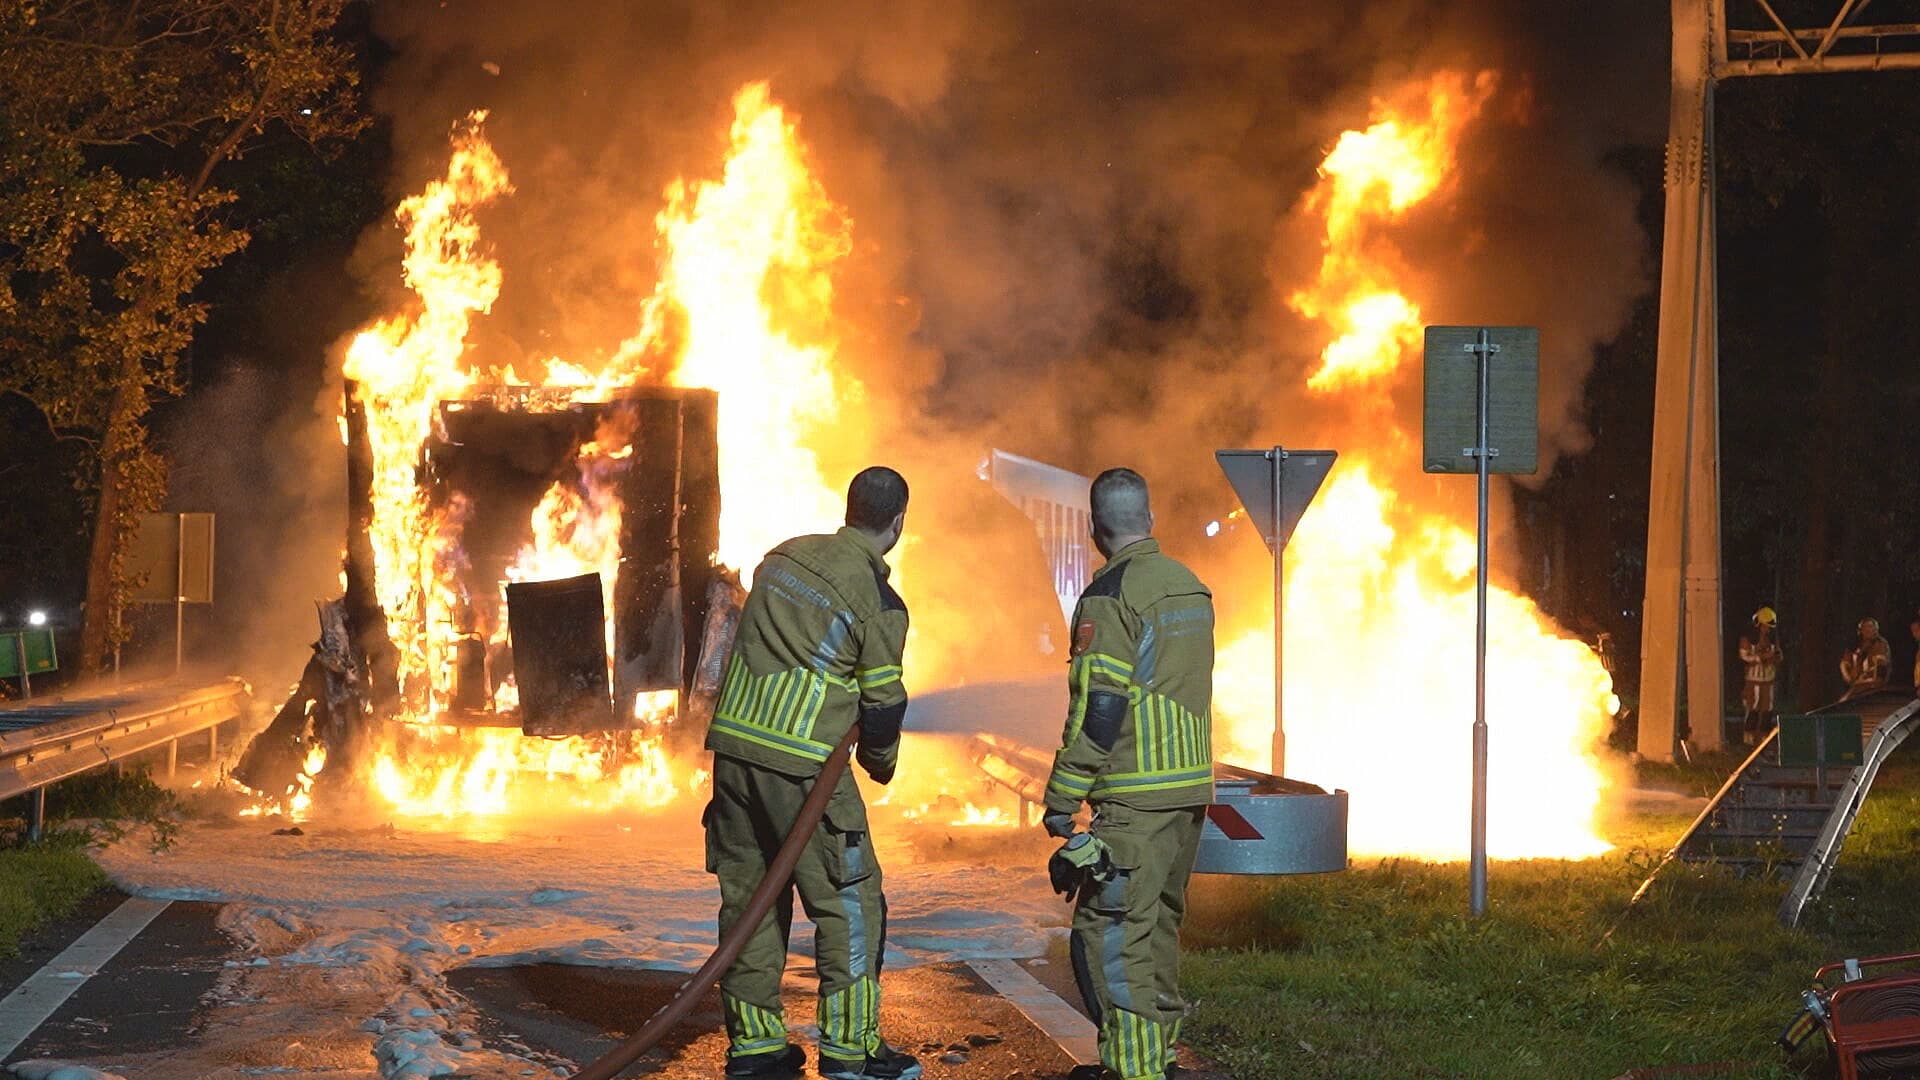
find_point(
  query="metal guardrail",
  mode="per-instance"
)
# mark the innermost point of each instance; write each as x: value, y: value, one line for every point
x: 1818, y: 867
x: 44, y: 743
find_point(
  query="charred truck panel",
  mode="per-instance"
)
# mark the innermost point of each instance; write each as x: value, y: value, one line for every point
x: 590, y: 659
x: 490, y: 461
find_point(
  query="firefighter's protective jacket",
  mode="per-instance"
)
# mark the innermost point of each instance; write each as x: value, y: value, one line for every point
x: 1140, y: 685
x: 1867, y: 665
x: 818, y: 650
x: 1762, y: 659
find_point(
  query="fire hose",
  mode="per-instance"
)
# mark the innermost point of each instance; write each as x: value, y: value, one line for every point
x: 779, y: 877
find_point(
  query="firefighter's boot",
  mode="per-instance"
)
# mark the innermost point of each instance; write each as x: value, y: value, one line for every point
x: 885, y: 1063
x: 769, y: 1065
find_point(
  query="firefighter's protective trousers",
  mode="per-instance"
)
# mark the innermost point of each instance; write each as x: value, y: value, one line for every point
x: 838, y: 880
x: 1126, y: 936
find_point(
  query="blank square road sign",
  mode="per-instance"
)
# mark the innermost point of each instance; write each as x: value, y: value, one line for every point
x: 171, y: 557
x: 1452, y: 399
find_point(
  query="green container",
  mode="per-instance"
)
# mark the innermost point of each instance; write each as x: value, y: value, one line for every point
x: 1822, y: 739
x: 40, y: 655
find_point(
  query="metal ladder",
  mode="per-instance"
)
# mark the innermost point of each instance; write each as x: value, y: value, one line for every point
x: 1776, y: 820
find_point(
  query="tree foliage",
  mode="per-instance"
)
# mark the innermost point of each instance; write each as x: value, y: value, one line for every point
x: 115, y: 118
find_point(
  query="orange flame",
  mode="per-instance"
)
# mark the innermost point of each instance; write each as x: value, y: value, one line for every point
x: 298, y: 802
x: 749, y: 270
x: 943, y: 788
x: 405, y: 365
x: 1380, y: 592
x: 1370, y: 177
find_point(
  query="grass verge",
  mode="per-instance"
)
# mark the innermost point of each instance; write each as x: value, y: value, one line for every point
x: 45, y: 881
x: 1376, y: 972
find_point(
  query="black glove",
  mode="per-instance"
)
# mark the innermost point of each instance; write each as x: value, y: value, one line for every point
x: 881, y: 772
x: 879, y: 733
x: 1083, y: 857
x: 1058, y: 823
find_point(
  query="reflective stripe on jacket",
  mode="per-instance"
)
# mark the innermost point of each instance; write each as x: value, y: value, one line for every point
x: 818, y: 650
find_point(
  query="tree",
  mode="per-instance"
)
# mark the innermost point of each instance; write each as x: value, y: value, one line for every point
x: 115, y: 119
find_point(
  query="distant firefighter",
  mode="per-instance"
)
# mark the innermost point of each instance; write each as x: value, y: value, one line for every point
x: 1761, y: 654
x: 1603, y: 648
x: 1914, y: 629
x: 1867, y: 664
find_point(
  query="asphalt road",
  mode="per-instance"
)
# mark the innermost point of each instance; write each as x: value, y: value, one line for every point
x: 180, y: 980
x: 145, y: 999
x: 943, y: 1013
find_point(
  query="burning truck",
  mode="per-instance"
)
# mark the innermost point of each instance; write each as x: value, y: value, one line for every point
x: 564, y: 585
x: 536, y: 575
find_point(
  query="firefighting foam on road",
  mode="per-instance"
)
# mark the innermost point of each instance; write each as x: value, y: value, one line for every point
x: 745, y: 304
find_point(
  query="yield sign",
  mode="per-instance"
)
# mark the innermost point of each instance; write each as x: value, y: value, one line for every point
x: 1276, y: 479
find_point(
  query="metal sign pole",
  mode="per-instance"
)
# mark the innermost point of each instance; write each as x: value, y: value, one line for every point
x: 1492, y: 419
x: 1276, y: 526
x: 1477, y: 871
x: 20, y: 650
x: 180, y: 597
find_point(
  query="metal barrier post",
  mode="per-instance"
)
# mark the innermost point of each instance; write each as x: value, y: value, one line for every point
x: 36, y: 814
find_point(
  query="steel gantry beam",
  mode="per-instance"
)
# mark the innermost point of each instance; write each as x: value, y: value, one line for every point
x: 1681, y: 614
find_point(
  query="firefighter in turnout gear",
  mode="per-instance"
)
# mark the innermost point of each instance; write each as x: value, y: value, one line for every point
x: 1138, y: 748
x: 1867, y: 665
x: 818, y: 650
x: 1762, y: 657
x: 1914, y: 629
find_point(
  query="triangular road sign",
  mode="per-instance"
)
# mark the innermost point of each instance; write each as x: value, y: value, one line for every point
x: 1251, y: 472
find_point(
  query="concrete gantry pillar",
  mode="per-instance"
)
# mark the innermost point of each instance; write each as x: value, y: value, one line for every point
x: 1685, y: 406
x: 1703, y: 614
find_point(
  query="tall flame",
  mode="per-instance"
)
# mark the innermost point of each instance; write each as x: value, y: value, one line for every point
x: 749, y: 269
x: 405, y: 365
x: 1368, y: 178
x: 1380, y: 591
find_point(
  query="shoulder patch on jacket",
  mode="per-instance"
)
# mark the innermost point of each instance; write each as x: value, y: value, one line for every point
x: 1107, y: 583
x: 889, y: 600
